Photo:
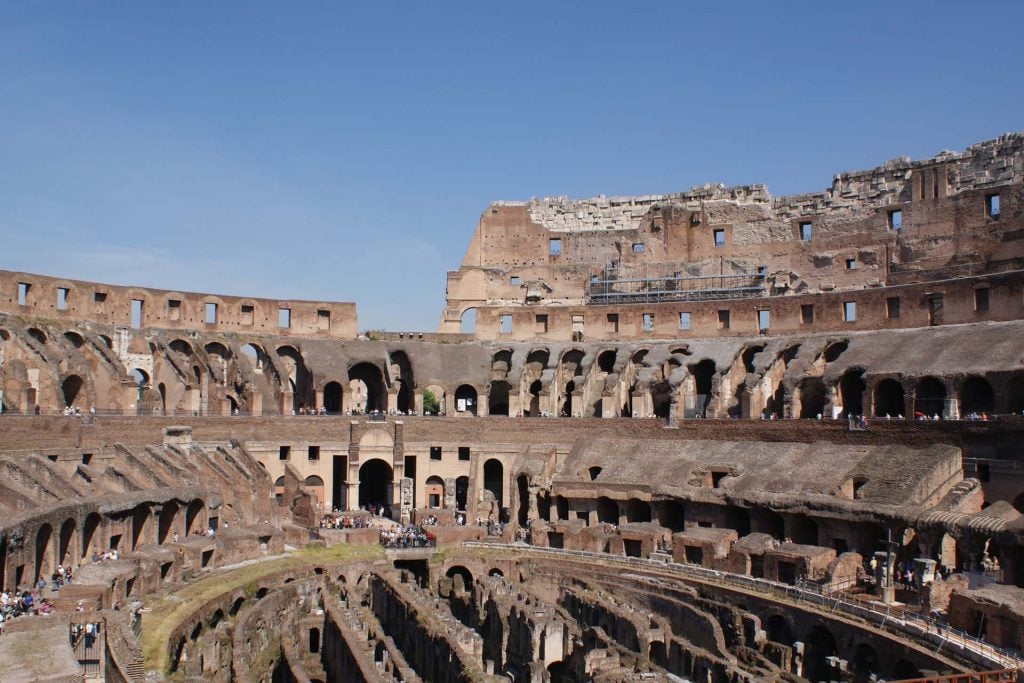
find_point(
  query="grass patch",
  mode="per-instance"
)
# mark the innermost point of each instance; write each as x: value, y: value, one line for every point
x: 165, y: 612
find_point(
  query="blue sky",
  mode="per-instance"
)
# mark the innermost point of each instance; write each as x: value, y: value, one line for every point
x: 322, y: 151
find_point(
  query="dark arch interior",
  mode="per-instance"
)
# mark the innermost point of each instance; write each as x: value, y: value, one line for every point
x: 820, y: 644
x: 749, y: 354
x: 703, y: 375
x: 606, y: 361
x: 812, y: 397
x: 465, y: 397
x: 833, y: 351
x: 977, y: 396
x: 71, y: 387
x: 607, y: 511
x: 497, y: 400
x: 332, y: 397
x: 494, y: 475
x: 371, y: 376
x: 889, y: 398
x: 405, y: 400
x: 375, y: 483
x: 851, y: 388
x: 931, y: 397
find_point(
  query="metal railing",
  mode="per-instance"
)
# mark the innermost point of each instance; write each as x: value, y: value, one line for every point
x: 919, y: 627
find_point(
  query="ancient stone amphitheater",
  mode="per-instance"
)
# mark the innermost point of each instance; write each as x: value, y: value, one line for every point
x: 714, y: 435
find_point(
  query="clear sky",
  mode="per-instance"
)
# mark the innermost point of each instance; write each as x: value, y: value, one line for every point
x: 327, y: 151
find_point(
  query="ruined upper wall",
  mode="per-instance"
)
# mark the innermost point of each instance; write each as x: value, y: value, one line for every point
x: 987, y: 164
x: 28, y: 294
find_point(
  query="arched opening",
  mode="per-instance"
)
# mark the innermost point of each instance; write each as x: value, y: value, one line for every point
x: 194, y: 521
x: 314, y: 640
x: 1015, y: 395
x: 865, y: 662
x: 461, y: 577
x: 37, y: 334
x: 140, y: 520
x: 820, y: 645
x: 497, y: 398
x: 168, y: 518
x: 401, y: 371
x: 638, y: 510
x: 522, y: 487
x: 435, y: 492
x: 535, y: 389
x: 804, y: 530
x: 494, y: 479
x: 465, y: 399
x: 90, y: 543
x: 607, y: 511
x: 904, y: 670
x: 661, y: 397
x: 297, y: 378
x: 367, y: 388
x: 461, y: 493
x: 594, y: 472
x: 162, y: 390
x: 703, y: 378
x: 671, y: 515
x: 566, y: 409
x: 72, y: 387
x: 467, y: 321
x: 66, y: 545
x: 834, y: 350
x: 75, y: 339
x: 930, y: 398
x: 496, y: 572
x: 256, y: 355
x: 812, y: 397
x: 778, y: 630
x: 332, y: 397
x: 749, y: 354
x: 889, y: 399
x: 657, y: 654
x: 376, y: 479
x: 606, y: 360
x: 976, y: 396
x: 851, y: 388
x: 44, y: 537
x: 561, y: 507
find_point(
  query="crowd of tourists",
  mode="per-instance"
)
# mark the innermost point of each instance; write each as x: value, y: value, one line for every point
x: 19, y: 603
x: 411, y: 536
x: 345, y: 522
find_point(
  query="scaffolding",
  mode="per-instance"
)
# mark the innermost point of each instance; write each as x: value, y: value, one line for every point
x: 609, y: 288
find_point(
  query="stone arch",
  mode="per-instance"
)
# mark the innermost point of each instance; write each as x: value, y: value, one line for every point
x: 976, y: 396
x: 804, y: 530
x: 314, y: 640
x: 465, y: 396
x: 467, y: 321
x: 376, y: 479
x: 194, y: 516
x: 535, y: 388
x: 779, y: 630
x: 864, y: 662
x: 661, y: 398
x: 402, y: 373
x: 66, y: 546
x: 835, y: 349
x: 463, y: 574
x: 904, y: 669
x: 523, y: 488
x: 813, y: 397
x: 44, y: 552
x: 703, y: 383
x: 256, y: 354
x: 332, y: 397
x: 461, y: 492
x: 298, y: 378
x: 607, y: 510
x: 889, y: 398
x: 749, y: 354
x: 367, y: 388
x: 851, y: 390
x: 435, y: 492
x: 931, y: 397
x: 167, y: 521
x: 90, y: 542
x: 671, y: 515
x: 74, y: 339
x: 638, y: 510
x: 819, y: 644
x: 37, y: 334
x: 497, y: 398
x: 315, y: 484
x: 494, y: 480
x: 71, y: 388
x: 606, y: 360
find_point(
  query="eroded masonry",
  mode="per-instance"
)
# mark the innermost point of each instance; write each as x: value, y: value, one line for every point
x: 714, y: 435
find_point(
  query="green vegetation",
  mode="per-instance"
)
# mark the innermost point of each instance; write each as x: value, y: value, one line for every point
x: 166, y: 611
x: 430, y: 403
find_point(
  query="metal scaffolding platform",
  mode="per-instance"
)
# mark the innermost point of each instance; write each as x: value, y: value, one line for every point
x: 610, y: 289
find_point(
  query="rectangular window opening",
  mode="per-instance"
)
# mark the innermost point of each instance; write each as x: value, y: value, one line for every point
x: 684, y: 320
x: 514, y: 280
x: 719, y: 238
x: 541, y: 323
x: 23, y: 288
x: 935, y: 309
x: 555, y: 246
x: 284, y: 318
x: 892, y: 307
x: 99, y: 297
x: 764, y: 318
x: 807, y: 313
x: 135, y: 317
x: 613, y: 323
x: 284, y: 452
x: 435, y: 452
x: 463, y: 453
x: 638, y: 247
x: 723, y: 320
x: 211, y: 313
x: 62, y: 298
x: 648, y: 322
x: 313, y: 453
x: 505, y: 323
x: 850, y: 311
x: 248, y: 315
x: 851, y: 264
x: 981, y: 300
x: 992, y: 206
x: 805, y: 230
x: 895, y: 219
x: 173, y: 309
x: 323, y: 320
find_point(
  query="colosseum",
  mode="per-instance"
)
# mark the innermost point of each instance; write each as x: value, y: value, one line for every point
x: 715, y: 435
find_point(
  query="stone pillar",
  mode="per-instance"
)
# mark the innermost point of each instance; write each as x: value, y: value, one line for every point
x: 405, y: 492
x: 449, y: 494
x: 884, y: 563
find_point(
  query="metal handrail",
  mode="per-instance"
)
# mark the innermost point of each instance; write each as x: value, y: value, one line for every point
x: 919, y: 627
